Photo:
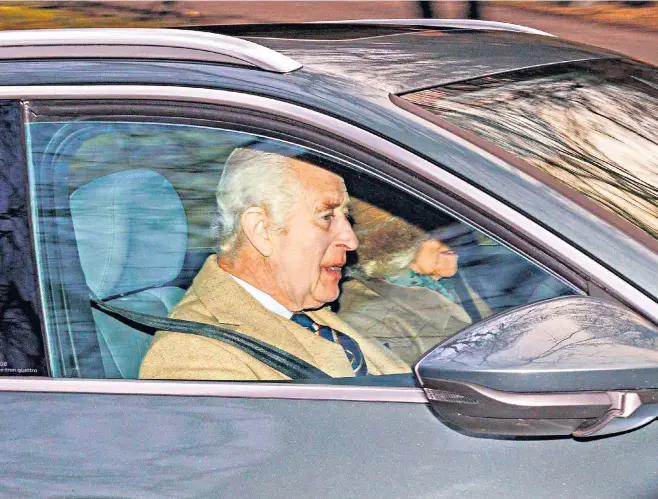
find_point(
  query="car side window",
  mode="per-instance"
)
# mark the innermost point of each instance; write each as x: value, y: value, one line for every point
x: 420, y: 275
x: 125, y: 213
x: 274, y: 242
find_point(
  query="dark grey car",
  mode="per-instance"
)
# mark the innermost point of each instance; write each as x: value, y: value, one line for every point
x: 534, y: 159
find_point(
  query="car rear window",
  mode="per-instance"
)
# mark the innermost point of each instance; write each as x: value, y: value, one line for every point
x: 296, y: 31
x: 593, y: 125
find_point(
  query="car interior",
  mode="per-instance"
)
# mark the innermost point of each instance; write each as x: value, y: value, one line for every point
x: 133, y: 230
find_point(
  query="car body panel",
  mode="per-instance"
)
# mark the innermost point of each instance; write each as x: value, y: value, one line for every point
x: 155, y: 446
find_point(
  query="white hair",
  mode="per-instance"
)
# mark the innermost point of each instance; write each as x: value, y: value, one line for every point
x: 396, y: 262
x: 253, y: 178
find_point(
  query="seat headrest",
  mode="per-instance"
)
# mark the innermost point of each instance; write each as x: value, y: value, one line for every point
x: 131, y: 231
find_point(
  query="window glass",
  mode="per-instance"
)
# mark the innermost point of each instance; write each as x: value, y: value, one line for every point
x: 592, y: 125
x: 420, y: 275
x: 350, y: 275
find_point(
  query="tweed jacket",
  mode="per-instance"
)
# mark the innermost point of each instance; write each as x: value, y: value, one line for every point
x: 410, y: 320
x: 215, y: 298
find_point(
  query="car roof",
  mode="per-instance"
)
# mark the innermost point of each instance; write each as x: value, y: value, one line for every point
x: 138, y: 43
x: 397, y: 56
x: 375, y: 57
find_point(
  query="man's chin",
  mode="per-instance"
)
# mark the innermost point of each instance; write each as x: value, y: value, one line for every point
x: 319, y: 300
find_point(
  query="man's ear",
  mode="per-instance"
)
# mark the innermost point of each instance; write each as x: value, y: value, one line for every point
x: 255, y: 224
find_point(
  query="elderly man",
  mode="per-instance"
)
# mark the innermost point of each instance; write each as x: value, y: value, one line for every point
x: 283, y: 239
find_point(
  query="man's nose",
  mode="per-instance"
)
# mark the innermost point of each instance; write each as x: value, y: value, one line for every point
x: 347, y: 237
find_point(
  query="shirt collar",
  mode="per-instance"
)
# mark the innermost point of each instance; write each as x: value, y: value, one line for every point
x: 264, y: 299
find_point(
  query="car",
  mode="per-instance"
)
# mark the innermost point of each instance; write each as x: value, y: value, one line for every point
x: 533, y: 159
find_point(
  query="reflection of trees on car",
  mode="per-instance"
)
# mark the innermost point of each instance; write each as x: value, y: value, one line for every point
x: 539, y: 337
x: 596, y: 131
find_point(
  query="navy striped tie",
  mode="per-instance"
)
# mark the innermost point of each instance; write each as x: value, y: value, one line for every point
x: 351, y: 348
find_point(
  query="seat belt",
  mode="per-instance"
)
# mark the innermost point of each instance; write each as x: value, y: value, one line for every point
x: 466, y: 299
x: 280, y: 360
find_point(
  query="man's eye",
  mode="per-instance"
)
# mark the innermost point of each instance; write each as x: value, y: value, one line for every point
x: 350, y: 219
x: 328, y: 217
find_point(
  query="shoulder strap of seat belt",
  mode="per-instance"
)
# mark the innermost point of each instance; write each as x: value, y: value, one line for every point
x: 466, y: 298
x: 280, y: 360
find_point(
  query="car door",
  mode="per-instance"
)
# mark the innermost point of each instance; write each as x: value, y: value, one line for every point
x: 88, y: 430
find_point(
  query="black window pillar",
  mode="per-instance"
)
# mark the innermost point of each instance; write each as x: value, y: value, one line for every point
x: 21, y: 340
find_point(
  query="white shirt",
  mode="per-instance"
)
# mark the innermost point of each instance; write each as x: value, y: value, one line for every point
x: 264, y: 299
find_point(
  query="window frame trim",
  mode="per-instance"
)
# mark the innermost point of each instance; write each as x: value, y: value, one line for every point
x: 229, y: 389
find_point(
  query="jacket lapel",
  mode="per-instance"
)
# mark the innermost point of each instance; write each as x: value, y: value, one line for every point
x: 231, y: 304
x: 379, y: 360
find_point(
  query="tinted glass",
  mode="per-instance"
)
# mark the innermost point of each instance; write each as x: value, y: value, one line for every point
x: 306, y: 32
x: 420, y: 275
x: 592, y: 125
x: 127, y: 213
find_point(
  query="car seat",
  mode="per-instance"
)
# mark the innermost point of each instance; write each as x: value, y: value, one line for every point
x: 131, y: 235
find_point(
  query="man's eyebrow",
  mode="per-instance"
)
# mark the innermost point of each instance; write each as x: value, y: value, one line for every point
x: 327, y: 205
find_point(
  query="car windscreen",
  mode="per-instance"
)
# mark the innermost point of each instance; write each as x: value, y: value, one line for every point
x: 592, y: 125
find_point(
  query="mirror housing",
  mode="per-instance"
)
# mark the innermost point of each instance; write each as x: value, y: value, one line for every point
x: 574, y: 365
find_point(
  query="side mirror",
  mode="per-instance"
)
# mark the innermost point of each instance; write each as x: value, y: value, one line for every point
x: 570, y: 366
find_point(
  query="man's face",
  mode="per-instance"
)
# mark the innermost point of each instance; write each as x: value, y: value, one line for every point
x: 309, y: 254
